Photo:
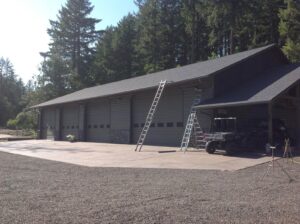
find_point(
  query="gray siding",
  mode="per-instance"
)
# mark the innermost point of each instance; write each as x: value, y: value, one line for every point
x: 98, y: 121
x: 247, y: 70
x: 70, y: 121
x: 205, y: 91
x: 120, y: 119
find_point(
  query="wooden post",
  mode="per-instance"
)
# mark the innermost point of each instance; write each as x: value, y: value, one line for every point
x: 270, y: 123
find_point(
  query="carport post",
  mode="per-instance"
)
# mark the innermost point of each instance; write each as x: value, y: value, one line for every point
x: 270, y: 123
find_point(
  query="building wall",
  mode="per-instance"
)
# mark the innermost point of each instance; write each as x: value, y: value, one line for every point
x: 172, y: 112
x: 120, y: 119
x: 246, y: 70
x: 204, y: 90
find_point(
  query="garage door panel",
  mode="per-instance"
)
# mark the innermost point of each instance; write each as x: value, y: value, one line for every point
x: 120, y: 119
x: 70, y: 121
x: 98, y: 121
x: 48, y: 123
x: 167, y: 127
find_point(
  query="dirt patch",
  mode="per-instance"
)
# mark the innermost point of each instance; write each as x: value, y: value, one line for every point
x: 40, y: 191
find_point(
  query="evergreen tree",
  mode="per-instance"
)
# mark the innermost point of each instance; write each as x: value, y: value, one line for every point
x: 73, y: 38
x: 263, y: 22
x: 102, y: 70
x: 149, y: 45
x: 195, y: 33
x: 11, y: 92
x: 161, y: 43
x: 126, y: 59
x: 289, y: 29
x: 225, y: 21
x: 55, y: 76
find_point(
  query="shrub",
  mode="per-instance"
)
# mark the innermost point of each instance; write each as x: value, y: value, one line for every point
x: 12, y: 124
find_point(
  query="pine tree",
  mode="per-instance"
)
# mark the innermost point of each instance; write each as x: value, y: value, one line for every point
x: 102, y: 70
x: 225, y: 21
x: 126, y: 58
x: 195, y: 32
x: 149, y: 45
x: 289, y: 29
x: 55, y: 75
x: 73, y: 37
x: 161, y: 42
x: 263, y: 22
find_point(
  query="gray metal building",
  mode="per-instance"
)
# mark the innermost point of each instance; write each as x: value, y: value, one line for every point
x: 251, y: 84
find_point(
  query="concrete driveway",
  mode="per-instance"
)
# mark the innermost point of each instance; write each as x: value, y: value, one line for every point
x: 121, y: 155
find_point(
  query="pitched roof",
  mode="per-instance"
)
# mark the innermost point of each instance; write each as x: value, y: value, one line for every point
x: 259, y: 90
x: 175, y: 75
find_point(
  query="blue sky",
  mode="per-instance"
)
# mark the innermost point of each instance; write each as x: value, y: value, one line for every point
x: 24, y: 26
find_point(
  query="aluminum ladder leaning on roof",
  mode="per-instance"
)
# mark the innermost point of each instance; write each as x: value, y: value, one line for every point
x: 150, y: 115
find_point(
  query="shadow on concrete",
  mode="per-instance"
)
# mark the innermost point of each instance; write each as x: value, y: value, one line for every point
x: 247, y: 155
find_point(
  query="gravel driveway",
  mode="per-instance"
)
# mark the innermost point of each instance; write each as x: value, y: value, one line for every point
x: 40, y: 191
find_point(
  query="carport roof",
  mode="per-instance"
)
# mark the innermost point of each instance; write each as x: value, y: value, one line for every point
x: 175, y: 75
x: 259, y: 90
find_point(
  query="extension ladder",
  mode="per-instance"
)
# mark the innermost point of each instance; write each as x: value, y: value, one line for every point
x: 198, y: 135
x: 150, y: 115
x: 192, y: 126
x: 188, y: 131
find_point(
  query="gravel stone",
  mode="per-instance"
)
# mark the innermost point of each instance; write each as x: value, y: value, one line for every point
x: 40, y: 191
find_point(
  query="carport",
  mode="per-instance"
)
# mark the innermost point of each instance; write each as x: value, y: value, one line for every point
x: 272, y: 96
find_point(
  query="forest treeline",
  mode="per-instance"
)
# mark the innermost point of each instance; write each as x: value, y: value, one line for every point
x: 162, y: 34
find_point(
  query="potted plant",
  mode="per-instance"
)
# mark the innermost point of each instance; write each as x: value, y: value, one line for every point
x: 71, y: 138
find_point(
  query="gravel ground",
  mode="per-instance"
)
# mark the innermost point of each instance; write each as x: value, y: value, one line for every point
x: 40, y: 191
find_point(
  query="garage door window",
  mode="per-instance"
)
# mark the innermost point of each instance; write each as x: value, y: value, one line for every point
x: 179, y: 124
x: 170, y: 124
x: 160, y: 125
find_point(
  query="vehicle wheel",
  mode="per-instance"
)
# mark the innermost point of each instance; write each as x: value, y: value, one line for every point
x: 210, y: 148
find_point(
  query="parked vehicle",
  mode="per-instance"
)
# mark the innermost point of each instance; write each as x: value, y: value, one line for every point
x: 225, y: 135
